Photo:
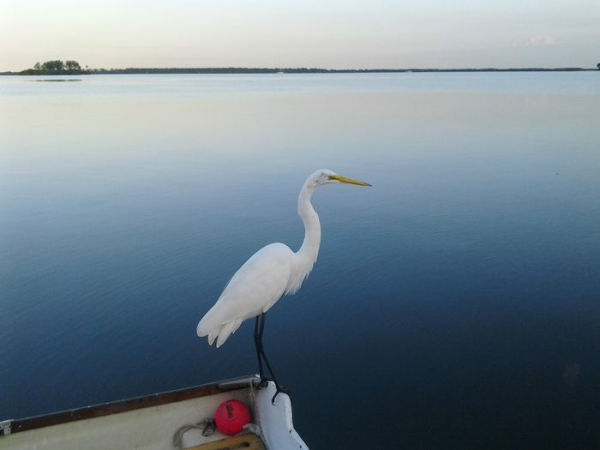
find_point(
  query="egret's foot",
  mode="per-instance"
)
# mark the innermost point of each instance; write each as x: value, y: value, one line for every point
x: 280, y: 389
x: 263, y: 383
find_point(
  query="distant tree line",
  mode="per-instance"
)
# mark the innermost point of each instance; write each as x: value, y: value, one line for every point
x: 56, y: 67
x: 217, y: 70
x: 71, y: 67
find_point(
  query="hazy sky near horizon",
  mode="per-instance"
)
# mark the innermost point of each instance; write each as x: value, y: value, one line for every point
x: 302, y: 33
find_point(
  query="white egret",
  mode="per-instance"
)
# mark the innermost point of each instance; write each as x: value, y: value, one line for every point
x: 269, y: 274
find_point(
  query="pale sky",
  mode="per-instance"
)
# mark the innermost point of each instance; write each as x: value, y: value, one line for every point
x: 301, y: 33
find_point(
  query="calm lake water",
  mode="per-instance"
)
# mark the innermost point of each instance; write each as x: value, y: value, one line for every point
x: 456, y: 304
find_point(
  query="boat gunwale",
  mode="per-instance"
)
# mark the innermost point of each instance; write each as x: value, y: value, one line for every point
x: 128, y: 404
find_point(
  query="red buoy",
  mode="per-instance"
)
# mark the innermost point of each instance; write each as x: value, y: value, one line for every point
x: 231, y: 416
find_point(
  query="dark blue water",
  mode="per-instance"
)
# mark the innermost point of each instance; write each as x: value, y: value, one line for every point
x: 456, y: 304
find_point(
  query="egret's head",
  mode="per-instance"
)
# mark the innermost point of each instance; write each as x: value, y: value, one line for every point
x: 326, y: 176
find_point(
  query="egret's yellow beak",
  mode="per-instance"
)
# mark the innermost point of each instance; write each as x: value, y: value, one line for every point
x: 342, y: 179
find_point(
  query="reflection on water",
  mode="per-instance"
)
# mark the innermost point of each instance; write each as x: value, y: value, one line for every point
x: 55, y: 80
x: 453, y: 305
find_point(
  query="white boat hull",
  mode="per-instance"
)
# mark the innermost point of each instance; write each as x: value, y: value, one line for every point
x: 151, y: 422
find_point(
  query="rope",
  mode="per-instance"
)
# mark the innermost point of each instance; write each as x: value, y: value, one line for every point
x: 207, y: 426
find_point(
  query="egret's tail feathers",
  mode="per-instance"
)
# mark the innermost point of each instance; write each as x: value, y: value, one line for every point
x: 212, y: 336
x: 228, y: 329
x: 220, y: 332
x: 208, y: 325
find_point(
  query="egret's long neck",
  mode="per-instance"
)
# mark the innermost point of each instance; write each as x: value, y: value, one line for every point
x: 312, y: 229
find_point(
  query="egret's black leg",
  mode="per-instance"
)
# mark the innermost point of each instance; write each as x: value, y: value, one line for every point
x: 261, y: 328
x: 258, y: 345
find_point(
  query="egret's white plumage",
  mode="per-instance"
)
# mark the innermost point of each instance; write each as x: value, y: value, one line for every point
x: 273, y: 271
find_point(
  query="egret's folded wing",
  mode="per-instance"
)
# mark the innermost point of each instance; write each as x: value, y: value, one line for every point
x: 252, y: 290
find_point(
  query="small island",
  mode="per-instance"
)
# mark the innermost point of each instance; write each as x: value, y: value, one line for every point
x: 56, y: 67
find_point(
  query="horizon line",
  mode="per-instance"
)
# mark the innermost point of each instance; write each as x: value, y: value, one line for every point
x: 230, y: 69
